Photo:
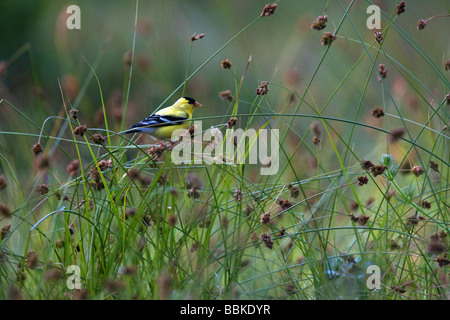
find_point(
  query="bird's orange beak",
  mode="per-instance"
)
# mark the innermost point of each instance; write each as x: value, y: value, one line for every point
x: 197, y: 104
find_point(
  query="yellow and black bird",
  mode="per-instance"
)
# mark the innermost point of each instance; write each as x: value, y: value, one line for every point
x: 161, y: 124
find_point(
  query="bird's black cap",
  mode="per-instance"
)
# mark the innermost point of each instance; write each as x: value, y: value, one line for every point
x: 190, y: 100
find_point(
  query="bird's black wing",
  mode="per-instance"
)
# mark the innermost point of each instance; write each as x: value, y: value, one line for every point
x: 154, y: 121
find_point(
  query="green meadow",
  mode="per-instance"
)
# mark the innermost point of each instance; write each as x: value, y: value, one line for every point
x: 356, y: 208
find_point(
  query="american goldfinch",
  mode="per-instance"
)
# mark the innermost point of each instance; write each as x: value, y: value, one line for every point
x: 161, y: 124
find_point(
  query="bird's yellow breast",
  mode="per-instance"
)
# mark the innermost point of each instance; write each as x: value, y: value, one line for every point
x: 166, y: 132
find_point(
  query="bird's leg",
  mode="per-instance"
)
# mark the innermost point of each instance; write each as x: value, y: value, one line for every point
x: 162, y: 144
x: 172, y: 144
x: 170, y: 147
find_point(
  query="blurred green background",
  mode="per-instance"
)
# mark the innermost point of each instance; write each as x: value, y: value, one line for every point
x: 39, y: 50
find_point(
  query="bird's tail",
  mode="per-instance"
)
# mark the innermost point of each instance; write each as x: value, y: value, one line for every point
x: 130, y: 131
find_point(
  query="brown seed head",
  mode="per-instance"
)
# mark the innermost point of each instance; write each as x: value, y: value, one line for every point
x: 226, y: 64
x: 362, y: 180
x: 267, y: 240
x: 292, y: 98
x: 378, y: 112
x: 79, y: 131
x: 282, y: 232
x: 361, y: 219
x: 156, y: 151
x: 378, y: 170
x: 328, y: 38
x: 447, y: 65
x: 238, y: 195
x: 400, y: 8
x: 74, y: 114
x: 73, y: 167
x: 97, y: 138
x: 95, y: 175
x: 425, y: 204
x: 367, y: 164
x: 442, y: 261
x: 196, y: 37
x: 4, y: 231
x: 105, y: 164
x: 191, y: 130
x: 42, y: 189
x: 421, y: 24
x: 413, y: 220
x: 417, y: 170
x: 383, y: 71
x: 353, y: 218
x: 265, y: 218
x: 316, y: 140
x: 434, y: 166
x: 268, y: 10
x: 226, y: 95
x: 231, y: 123
x: 294, y: 191
x: 57, y: 194
x: 320, y: 23
x: 193, y: 193
x: 378, y: 36
x: 284, y: 204
x: 37, y: 149
x: 263, y: 88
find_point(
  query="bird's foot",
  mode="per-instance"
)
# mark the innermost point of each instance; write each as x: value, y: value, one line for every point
x: 162, y: 144
x: 172, y: 144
